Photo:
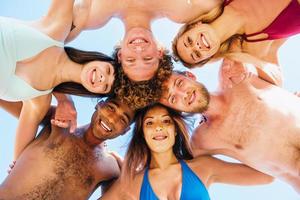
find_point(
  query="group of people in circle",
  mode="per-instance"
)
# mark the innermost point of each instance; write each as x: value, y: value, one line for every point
x: 243, y: 120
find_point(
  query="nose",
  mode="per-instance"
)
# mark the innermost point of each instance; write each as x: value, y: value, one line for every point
x: 101, y: 78
x: 159, y: 128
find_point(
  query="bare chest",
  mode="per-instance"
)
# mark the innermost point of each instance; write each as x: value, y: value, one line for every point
x: 39, y: 71
x: 180, y: 11
x: 54, y: 169
x: 261, y: 129
x: 260, y: 11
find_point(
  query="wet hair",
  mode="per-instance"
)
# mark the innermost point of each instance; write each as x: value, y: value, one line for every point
x: 83, y: 57
x: 138, y: 154
x: 205, y: 18
x: 140, y: 94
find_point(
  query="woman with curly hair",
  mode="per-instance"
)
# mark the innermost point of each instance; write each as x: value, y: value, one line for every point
x: 140, y: 94
x: 140, y: 54
x: 159, y: 163
x: 249, y: 31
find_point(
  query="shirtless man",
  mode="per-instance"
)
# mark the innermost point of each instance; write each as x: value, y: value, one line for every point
x: 59, y: 165
x: 253, y: 121
x: 139, y: 52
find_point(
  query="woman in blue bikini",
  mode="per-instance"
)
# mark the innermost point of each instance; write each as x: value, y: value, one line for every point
x: 34, y: 63
x: 159, y: 163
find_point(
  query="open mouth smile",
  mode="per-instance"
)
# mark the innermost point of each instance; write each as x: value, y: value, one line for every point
x: 105, y: 126
x: 160, y: 137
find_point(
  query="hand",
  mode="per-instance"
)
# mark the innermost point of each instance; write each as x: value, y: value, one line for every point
x: 11, y: 166
x: 233, y: 73
x: 65, y: 114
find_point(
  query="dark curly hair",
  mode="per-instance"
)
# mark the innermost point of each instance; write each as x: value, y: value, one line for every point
x: 140, y: 94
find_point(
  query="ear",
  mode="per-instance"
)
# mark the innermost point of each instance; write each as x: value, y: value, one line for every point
x: 190, y: 75
x: 119, y: 56
x: 126, y: 130
x: 160, y: 53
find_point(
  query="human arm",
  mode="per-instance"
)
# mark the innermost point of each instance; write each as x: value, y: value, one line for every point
x: 89, y: 14
x: 14, y: 108
x: 233, y: 72
x: 232, y: 173
x: 57, y: 21
x: 65, y: 113
x: 32, y: 112
x: 263, y: 55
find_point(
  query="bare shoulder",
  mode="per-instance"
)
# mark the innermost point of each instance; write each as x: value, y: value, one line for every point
x: 124, y: 189
x: 106, y: 164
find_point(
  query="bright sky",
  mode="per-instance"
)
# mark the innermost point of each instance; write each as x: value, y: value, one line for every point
x: 103, y: 40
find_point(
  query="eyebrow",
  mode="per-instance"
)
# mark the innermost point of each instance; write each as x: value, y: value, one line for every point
x: 127, y: 116
x: 124, y: 113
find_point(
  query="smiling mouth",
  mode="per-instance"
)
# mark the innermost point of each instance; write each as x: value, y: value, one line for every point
x: 204, y: 41
x: 93, y: 78
x: 160, y: 137
x: 192, y: 97
x: 105, y: 126
x: 138, y: 41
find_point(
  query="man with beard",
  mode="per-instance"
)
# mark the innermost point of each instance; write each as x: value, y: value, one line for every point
x: 245, y: 121
x: 59, y: 165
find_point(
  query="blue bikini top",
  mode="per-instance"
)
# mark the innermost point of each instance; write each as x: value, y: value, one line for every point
x: 192, y: 186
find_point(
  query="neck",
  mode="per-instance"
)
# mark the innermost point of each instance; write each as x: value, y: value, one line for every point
x: 137, y: 20
x: 163, y: 160
x: 86, y: 133
x: 67, y: 71
x: 228, y: 24
x: 215, y: 106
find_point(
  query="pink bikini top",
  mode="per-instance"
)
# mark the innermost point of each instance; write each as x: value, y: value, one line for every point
x: 286, y: 24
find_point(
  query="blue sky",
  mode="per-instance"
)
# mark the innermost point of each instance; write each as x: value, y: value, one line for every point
x: 104, y: 40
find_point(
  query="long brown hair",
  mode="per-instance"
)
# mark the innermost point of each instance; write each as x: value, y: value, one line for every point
x: 82, y: 57
x: 138, y: 153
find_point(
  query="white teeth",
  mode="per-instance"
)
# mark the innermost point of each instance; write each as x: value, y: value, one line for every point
x: 94, y: 76
x: 204, y: 41
x: 105, y: 126
x: 138, y: 41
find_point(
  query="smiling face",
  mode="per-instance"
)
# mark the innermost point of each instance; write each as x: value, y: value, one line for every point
x: 159, y: 130
x: 97, y: 77
x: 183, y: 93
x: 139, y: 54
x: 198, y: 43
x: 111, y: 119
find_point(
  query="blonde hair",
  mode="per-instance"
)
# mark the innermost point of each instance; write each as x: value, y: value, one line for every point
x: 205, y: 18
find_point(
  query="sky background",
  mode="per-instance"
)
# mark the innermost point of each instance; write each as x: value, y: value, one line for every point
x: 164, y: 30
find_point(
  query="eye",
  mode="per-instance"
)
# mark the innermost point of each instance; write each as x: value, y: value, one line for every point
x: 189, y: 41
x: 108, y: 70
x: 123, y: 120
x: 111, y: 108
x: 148, y: 58
x: 172, y: 99
x: 197, y: 53
x: 131, y: 60
x: 167, y: 121
x: 179, y: 83
x: 149, y: 123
